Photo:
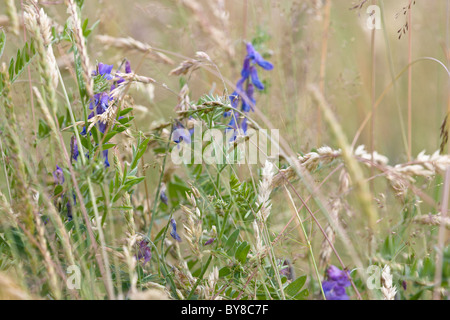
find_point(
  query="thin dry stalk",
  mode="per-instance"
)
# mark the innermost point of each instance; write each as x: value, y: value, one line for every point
x: 193, y: 226
x: 264, y: 191
x: 81, y: 45
x: 336, y: 205
x: 10, y: 290
x: 217, y: 35
x: 39, y: 25
x: 353, y: 168
x: 441, y: 238
x: 388, y: 289
x: 323, y: 63
x: 11, y: 11
x: 433, y: 220
x: 134, y: 45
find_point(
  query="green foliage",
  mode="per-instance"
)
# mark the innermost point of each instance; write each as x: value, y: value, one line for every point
x: 2, y: 42
x: 23, y: 59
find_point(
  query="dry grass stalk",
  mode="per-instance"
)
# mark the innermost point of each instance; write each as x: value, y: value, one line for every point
x: 264, y: 191
x: 53, y: 280
x: 39, y: 25
x: 134, y: 45
x: 183, y: 100
x: 309, y: 161
x: 219, y: 36
x: 150, y: 294
x: 72, y: 10
x: 400, y: 176
x: 193, y: 226
x: 190, y: 65
x: 353, y: 168
x: 433, y: 220
x: 131, y: 262
x: 210, y: 287
x: 10, y: 290
x: 387, y: 288
x: 11, y: 11
x: 336, y: 205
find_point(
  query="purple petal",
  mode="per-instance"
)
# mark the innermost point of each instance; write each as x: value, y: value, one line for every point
x: 58, y: 175
x: 250, y: 50
x: 263, y: 63
x: 74, y: 148
x: 245, y: 72
x: 105, y: 70
x: 254, y: 75
x: 144, y: 252
x: 174, y: 233
x: 127, y: 67
x: 164, y: 198
x: 105, y: 155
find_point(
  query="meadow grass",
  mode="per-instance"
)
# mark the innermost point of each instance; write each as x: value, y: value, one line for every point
x: 98, y: 97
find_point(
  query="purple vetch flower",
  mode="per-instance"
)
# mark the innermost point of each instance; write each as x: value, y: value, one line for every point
x: 286, y: 269
x: 209, y: 241
x: 69, y: 210
x: 162, y: 194
x: 255, y: 79
x: 127, y: 70
x: 164, y: 198
x: 104, y: 70
x: 334, y: 286
x: 144, y: 252
x: 174, y: 233
x: 105, y: 155
x: 246, y: 107
x: 245, y: 87
x: 127, y: 67
x: 404, y: 285
x: 180, y: 134
x: 74, y: 148
x: 58, y: 175
x: 256, y: 57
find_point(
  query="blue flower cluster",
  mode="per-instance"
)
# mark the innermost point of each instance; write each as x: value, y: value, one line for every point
x: 144, y: 252
x: 101, y: 102
x: 334, y: 286
x: 245, y: 87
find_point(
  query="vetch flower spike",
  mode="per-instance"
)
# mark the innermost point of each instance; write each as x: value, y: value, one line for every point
x: 245, y: 88
x: 58, y: 175
x: 334, y: 286
x: 144, y: 252
x: 174, y: 233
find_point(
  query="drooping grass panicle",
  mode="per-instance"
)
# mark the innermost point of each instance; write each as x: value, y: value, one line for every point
x: 134, y: 45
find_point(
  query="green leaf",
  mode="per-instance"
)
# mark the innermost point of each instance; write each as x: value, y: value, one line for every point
x: 125, y: 111
x: 2, y: 42
x: 302, y: 295
x: 11, y: 68
x: 294, y: 287
x: 224, y: 272
x: 58, y: 190
x: 242, y: 251
x: 107, y: 146
x: 232, y: 239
